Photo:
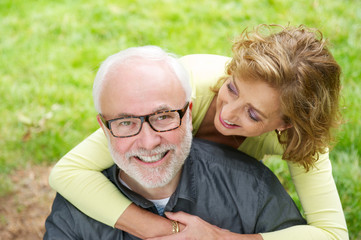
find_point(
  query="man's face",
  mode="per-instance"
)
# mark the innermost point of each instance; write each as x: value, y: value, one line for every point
x: 151, y: 158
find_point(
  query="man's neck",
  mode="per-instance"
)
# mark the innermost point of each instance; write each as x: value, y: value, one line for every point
x: 151, y: 193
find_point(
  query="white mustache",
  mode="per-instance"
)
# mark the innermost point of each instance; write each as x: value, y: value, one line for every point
x: 152, y: 155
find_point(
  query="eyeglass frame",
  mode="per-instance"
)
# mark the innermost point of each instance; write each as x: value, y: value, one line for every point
x: 145, y: 118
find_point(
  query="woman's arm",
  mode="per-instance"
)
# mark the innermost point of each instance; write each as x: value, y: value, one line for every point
x: 78, y: 178
x: 144, y: 224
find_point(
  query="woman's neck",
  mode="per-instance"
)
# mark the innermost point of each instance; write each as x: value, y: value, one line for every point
x: 208, y: 131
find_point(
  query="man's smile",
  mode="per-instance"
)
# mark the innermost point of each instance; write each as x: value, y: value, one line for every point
x: 152, y: 158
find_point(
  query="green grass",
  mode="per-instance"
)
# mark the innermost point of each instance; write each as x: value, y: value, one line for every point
x: 50, y: 51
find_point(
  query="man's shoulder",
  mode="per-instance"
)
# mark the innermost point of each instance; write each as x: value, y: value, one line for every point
x: 67, y: 222
x: 204, y: 151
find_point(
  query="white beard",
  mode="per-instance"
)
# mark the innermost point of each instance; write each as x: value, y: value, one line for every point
x: 154, y: 177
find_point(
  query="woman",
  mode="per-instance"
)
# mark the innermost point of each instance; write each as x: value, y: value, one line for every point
x: 279, y: 97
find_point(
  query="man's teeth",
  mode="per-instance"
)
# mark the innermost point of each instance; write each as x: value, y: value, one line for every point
x: 153, y: 158
x: 228, y: 122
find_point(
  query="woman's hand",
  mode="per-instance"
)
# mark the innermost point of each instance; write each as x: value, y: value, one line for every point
x: 196, y: 228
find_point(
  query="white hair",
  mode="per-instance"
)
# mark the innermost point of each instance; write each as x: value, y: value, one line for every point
x: 152, y: 53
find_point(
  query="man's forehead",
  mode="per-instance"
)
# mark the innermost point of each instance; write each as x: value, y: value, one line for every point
x: 140, y: 71
x: 141, y: 90
x: 132, y: 63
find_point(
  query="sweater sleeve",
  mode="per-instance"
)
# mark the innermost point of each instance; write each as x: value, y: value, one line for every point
x: 77, y: 176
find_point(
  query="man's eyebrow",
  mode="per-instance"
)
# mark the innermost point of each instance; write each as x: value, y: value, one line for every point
x: 160, y: 108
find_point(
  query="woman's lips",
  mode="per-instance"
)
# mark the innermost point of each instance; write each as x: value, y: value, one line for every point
x: 227, y: 125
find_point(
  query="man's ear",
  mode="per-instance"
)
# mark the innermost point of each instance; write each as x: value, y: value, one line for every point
x: 190, y: 114
x: 100, y: 122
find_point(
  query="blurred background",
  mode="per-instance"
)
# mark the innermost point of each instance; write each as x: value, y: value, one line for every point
x: 50, y: 52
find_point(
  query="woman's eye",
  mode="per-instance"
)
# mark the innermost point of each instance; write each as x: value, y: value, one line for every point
x: 253, y: 115
x: 231, y: 88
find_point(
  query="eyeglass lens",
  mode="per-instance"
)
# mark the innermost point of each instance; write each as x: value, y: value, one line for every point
x: 160, y: 122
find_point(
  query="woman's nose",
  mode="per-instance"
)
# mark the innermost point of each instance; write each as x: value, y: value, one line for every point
x: 230, y: 111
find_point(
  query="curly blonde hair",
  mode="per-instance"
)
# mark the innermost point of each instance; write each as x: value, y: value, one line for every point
x: 297, y: 63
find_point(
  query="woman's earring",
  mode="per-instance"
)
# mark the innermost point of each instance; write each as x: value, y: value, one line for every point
x: 278, y: 132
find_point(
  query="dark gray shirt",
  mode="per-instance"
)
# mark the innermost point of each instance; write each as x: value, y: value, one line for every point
x: 219, y: 184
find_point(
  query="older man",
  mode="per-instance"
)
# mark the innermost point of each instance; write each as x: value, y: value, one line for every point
x: 143, y: 99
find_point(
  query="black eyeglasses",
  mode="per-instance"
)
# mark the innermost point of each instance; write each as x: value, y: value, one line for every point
x: 129, y: 126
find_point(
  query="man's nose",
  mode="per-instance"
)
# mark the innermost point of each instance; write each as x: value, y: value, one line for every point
x: 148, y: 138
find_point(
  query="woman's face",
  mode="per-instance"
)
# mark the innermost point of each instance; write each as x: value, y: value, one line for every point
x: 247, y: 108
